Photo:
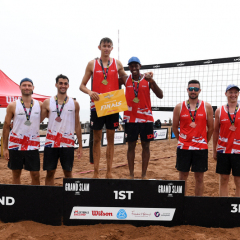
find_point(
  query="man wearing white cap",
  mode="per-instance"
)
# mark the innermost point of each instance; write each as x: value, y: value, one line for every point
x: 138, y: 118
x: 226, y: 141
x: 21, y: 150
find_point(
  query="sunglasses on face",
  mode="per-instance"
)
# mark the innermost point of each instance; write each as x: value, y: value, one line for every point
x: 196, y: 89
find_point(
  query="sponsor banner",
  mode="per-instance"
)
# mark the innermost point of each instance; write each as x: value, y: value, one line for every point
x: 118, y: 138
x: 125, y: 213
x: 111, y: 102
x: 92, y: 201
x: 31, y: 203
x: 85, y: 141
x: 160, y: 134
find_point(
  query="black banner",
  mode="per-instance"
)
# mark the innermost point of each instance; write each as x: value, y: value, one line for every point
x: 221, y: 212
x: 137, y: 202
x: 189, y: 63
x: 41, y: 204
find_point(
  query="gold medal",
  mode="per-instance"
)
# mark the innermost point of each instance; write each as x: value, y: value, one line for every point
x: 193, y: 124
x: 105, y: 82
x: 232, y: 128
x: 136, y: 100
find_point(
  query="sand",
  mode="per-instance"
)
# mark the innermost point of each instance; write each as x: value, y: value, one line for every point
x: 161, y: 166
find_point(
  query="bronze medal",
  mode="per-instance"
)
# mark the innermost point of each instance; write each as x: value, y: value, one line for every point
x: 232, y: 128
x: 193, y: 124
x: 105, y: 82
x: 136, y: 100
x: 58, y: 119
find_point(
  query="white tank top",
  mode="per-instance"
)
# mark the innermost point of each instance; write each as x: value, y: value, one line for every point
x: 23, y: 137
x: 61, y: 134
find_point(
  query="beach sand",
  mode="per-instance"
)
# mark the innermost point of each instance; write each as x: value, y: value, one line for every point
x: 161, y: 166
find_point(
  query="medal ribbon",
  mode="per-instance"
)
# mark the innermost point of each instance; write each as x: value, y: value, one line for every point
x: 190, y: 112
x: 136, y: 88
x: 25, y: 110
x: 105, y: 74
x: 59, y: 113
x: 234, y: 115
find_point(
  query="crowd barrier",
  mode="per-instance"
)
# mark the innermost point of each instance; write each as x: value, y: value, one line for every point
x: 136, y: 202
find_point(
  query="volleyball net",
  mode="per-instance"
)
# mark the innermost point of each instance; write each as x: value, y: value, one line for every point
x: 213, y: 74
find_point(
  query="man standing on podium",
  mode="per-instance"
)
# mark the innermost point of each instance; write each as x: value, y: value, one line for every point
x: 139, y: 118
x: 104, y: 73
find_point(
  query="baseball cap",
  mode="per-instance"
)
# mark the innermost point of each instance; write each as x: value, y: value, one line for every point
x: 134, y: 59
x: 231, y: 86
x: 26, y: 80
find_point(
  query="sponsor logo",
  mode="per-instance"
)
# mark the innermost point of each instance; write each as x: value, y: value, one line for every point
x: 156, y: 66
x: 36, y: 112
x: 170, y: 189
x: 157, y: 214
x: 112, y: 70
x: 77, y: 187
x: 150, y: 136
x: 154, y: 108
x: 224, y: 120
x: 144, y: 86
x: 99, y: 71
x: 130, y: 86
x: 81, y: 213
x: 10, y: 99
x: 181, y: 135
x: 155, y: 134
x: 70, y: 110
x: 101, y: 213
x: 200, y: 114
x: 108, y: 96
x: 8, y: 201
x: 121, y: 214
x: 116, y: 124
x: 21, y: 114
x: 237, y: 59
x: 185, y: 115
x: 123, y: 194
x: 180, y: 64
x: 207, y: 62
x: 140, y: 214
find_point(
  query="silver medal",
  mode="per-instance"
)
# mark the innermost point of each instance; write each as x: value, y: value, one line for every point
x: 27, y: 123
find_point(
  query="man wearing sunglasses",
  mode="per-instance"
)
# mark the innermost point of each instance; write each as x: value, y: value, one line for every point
x: 196, y: 127
x: 226, y: 141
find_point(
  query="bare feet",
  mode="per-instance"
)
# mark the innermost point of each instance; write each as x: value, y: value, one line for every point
x: 131, y: 177
x: 95, y: 175
x: 109, y: 175
x: 144, y: 177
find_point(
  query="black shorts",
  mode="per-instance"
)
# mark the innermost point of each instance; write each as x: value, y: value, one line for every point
x: 227, y: 162
x: 196, y: 159
x: 111, y: 121
x: 51, y: 156
x: 144, y: 129
x: 28, y: 160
